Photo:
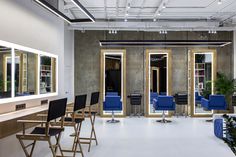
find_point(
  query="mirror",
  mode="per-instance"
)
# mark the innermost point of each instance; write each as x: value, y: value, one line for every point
x: 5, y: 72
x: 47, y: 74
x: 203, y: 80
x: 158, y: 75
x: 25, y: 73
x: 113, y: 78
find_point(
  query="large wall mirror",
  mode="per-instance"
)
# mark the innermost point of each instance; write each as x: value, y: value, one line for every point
x: 203, y: 70
x: 113, y: 79
x: 47, y: 74
x: 5, y: 72
x: 26, y: 73
x: 158, y: 77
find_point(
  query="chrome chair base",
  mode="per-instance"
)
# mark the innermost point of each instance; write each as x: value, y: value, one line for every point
x: 113, y: 121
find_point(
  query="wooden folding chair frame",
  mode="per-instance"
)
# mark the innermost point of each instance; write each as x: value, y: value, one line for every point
x: 92, y: 118
x: 40, y: 137
x: 77, y: 128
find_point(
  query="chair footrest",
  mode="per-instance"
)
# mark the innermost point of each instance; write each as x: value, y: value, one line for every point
x: 70, y: 151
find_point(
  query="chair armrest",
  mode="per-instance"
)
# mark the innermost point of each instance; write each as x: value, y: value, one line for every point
x: 31, y: 121
x: 204, y: 102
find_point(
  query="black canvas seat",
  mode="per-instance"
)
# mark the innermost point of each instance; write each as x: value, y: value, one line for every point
x: 77, y: 120
x: 56, y: 110
x: 51, y: 132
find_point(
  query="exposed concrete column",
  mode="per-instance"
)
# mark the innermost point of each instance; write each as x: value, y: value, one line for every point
x: 234, y: 49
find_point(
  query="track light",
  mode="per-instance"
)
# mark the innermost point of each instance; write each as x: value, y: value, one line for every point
x: 128, y: 7
x: 125, y: 20
x: 164, y: 5
x: 163, y: 31
x: 112, y: 31
x: 159, y: 13
x: 154, y: 20
x: 126, y: 14
x: 212, y: 31
x: 219, y: 2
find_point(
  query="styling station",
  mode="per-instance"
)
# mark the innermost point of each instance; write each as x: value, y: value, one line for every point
x: 112, y: 78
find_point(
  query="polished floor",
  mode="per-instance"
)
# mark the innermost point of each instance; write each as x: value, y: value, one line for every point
x: 139, y: 137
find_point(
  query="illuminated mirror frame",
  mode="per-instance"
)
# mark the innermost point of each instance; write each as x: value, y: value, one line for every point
x: 192, y: 78
x: 105, y: 52
x: 37, y: 95
x: 150, y: 52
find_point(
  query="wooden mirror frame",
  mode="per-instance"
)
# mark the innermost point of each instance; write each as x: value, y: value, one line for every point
x: 121, y: 52
x: 191, y: 76
x: 149, y: 52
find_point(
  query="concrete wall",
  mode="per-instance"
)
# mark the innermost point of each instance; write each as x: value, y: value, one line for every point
x: 26, y: 23
x: 87, y: 59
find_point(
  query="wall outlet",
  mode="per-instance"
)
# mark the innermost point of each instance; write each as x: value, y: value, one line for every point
x: 44, y: 102
x: 20, y: 107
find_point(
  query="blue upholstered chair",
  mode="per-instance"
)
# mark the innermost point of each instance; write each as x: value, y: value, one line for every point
x: 112, y: 103
x: 215, y: 102
x: 164, y: 103
x: 197, y: 98
x: 153, y: 95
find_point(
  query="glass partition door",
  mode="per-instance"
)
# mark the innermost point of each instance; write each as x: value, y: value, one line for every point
x: 203, y: 76
x: 113, y: 77
x: 158, y: 80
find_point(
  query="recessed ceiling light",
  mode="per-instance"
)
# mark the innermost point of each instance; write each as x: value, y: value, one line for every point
x: 154, y: 20
x: 219, y: 2
x: 126, y: 20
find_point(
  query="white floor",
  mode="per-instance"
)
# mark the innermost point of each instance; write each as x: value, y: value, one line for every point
x: 139, y: 137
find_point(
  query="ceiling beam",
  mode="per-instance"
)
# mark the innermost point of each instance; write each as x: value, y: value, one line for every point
x: 105, y: 9
x: 160, y: 7
x: 141, y: 7
x: 117, y: 7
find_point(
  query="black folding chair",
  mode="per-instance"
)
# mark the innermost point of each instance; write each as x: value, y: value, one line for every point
x: 91, y: 114
x: 57, y: 109
x: 75, y: 121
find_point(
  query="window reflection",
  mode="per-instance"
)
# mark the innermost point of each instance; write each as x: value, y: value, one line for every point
x: 25, y: 73
x: 5, y: 72
x: 47, y: 74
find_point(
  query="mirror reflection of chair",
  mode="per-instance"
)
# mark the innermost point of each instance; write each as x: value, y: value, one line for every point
x: 164, y: 103
x: 75, y: 121
x: 91, y: 114
x: 198, y: 98
x: 57, y: 109
x: 112, y: 103
x: 181, y: 99
x: 215, y: 102
x: 153, y: 96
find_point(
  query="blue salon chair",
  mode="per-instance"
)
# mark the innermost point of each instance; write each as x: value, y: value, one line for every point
x: 215, y: 102
x: 112, y: 103
x: 164, y: 103
x: 198, y: 98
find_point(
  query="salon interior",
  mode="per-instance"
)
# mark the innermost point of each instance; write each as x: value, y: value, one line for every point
x: 131, y: 78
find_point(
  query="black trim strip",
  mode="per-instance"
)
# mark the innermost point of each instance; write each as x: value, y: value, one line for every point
x: 165, y: 43
x: 66, y: 18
